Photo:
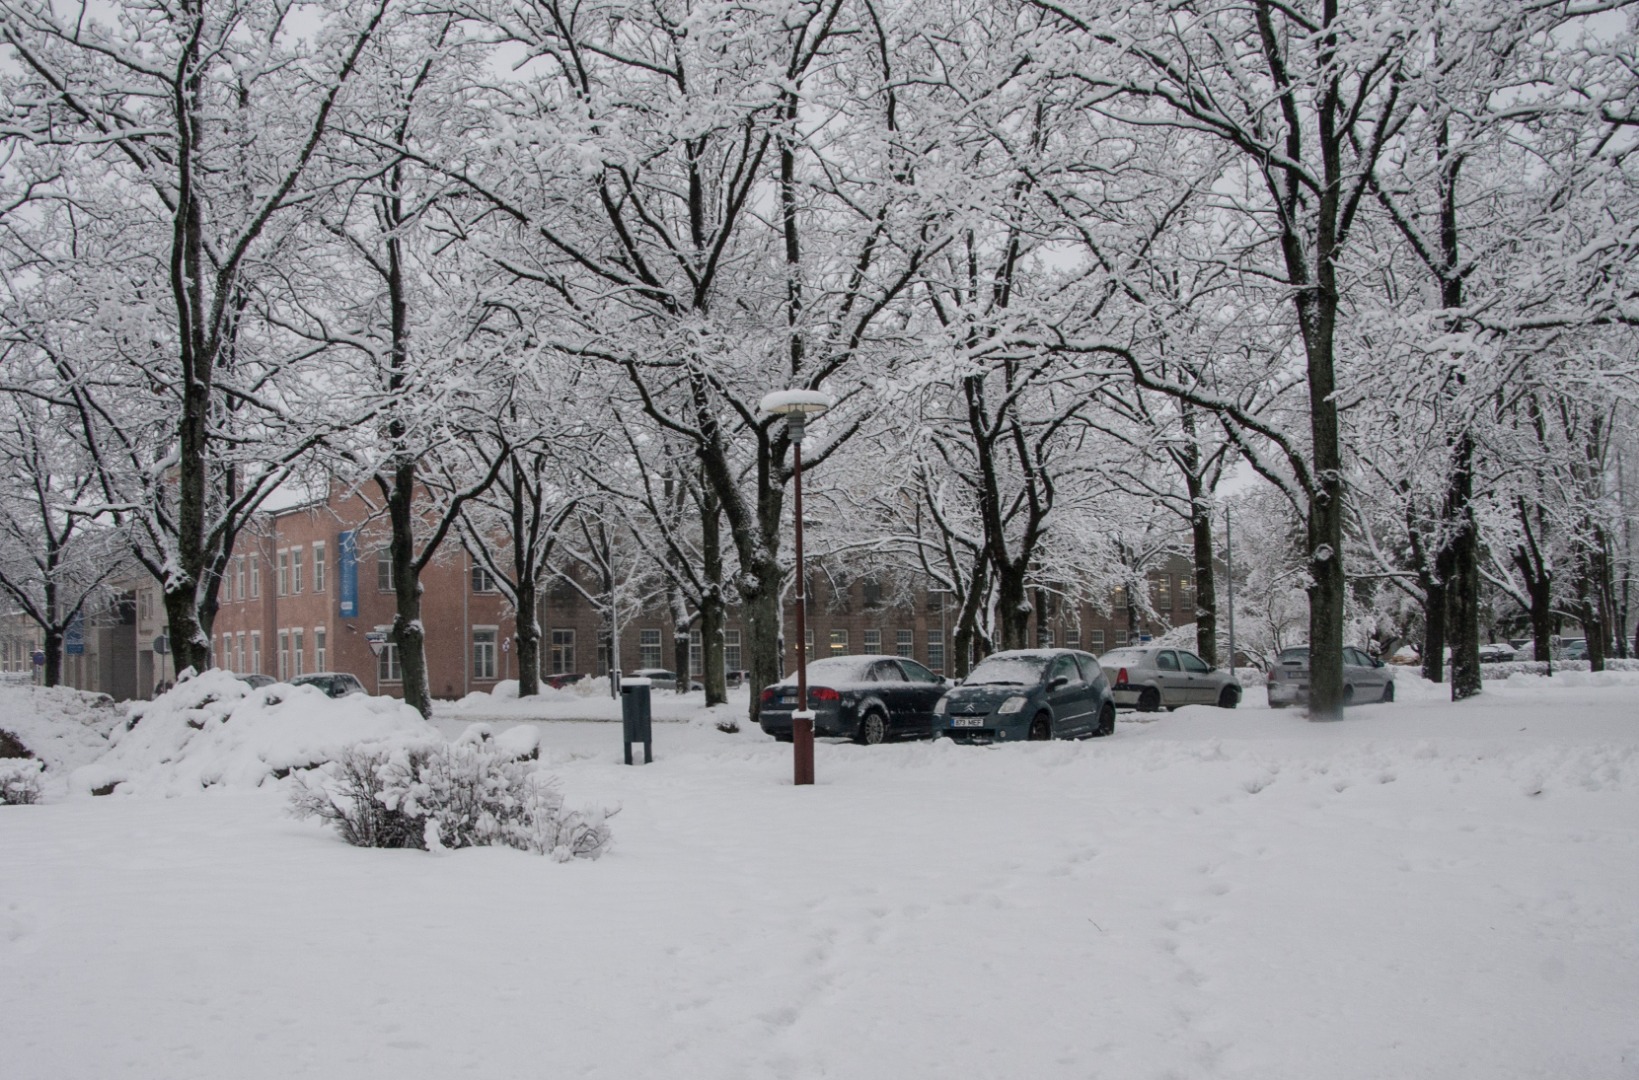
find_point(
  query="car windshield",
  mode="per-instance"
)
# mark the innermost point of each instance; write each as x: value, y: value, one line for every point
x: 1020, y: 669
x: 834, y: 670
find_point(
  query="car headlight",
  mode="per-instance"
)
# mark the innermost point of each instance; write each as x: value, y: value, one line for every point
x: 939, y: 706
x: 1013, y: 705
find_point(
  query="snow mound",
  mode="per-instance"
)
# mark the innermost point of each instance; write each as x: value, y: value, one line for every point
x: 64, y: 728
x: 214, y: 729
x: 516, y: 743
x: 504, y: 701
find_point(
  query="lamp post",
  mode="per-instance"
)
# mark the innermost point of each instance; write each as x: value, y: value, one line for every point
x: 797, y: 406
x: 1229, y: 557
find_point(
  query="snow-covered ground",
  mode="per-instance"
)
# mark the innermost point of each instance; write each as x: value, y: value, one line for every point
x: 1421, y: 890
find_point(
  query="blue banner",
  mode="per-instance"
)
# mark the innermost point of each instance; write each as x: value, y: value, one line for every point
x: 347, y: 574
x: 74, y: 636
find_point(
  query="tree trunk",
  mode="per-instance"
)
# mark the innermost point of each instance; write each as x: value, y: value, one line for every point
x: 760, y: 604
x: 712, y: 615
x: 1206, y: 585
x: 407, y: 632
x: 1434, y: 628
x: 529, y: 635
x: 54, y: 658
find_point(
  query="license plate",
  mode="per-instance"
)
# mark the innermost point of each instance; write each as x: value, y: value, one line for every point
x: 788, y: 699
x: 969, y: 721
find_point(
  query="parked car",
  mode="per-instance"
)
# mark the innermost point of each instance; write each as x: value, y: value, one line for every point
x: 561, y: 680
x: 659, y: 678
x: 256, y: 682
x: 336, y: 684
x: 1029, y: 694
x: 869, y: 699
x: 1497, y: 652
x: 736, y: 679
x: 1150, y: 677
x: 1364, y: 678
x: 1573, y: 649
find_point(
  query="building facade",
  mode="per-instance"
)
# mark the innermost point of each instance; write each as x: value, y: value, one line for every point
x: 310, y: 587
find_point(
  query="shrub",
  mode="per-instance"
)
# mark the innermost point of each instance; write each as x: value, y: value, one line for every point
x: 439, y: 797
x: 20, y: 782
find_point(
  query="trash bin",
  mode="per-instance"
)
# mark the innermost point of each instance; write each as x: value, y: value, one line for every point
x: 634, y: 717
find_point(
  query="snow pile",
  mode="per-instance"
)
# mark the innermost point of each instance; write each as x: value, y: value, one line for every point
x: 215, y: 729
x: 523, y: 741
x: 504, y: 701
x: 64, y: 728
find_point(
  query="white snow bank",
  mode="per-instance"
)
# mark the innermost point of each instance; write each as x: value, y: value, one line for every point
x: 523, y: 741
x: 503, y: 702
x: 64, y: 728
x: 214, y: 729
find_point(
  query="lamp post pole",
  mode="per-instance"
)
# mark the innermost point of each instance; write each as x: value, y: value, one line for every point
x: 1229, y: 558
x: 797, y: 406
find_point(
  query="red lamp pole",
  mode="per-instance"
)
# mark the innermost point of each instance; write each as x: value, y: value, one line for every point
x: 797, y: 406
x: 802, y: 721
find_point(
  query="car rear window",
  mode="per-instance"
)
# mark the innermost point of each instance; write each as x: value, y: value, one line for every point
x: 1125, y: 656
x: 1299, y: 653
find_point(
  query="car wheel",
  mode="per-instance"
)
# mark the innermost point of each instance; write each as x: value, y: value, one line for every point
x: 1106, y: 720
x: 1348, y: 695
x: 1041, y: 728
x: 1149, y: 700
x: 782, y: 738
x: 1229, y: 698
x: 1388, y: 692
x: 1278, y: 704
x: 873, y: 728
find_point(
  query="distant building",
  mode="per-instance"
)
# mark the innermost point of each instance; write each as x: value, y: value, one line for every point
x: 307, y: 587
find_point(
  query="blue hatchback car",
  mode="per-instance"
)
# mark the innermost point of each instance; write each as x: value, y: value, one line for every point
x: 1029, y: 694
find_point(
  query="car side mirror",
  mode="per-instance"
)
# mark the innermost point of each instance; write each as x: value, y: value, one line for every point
x: 1059, y: 683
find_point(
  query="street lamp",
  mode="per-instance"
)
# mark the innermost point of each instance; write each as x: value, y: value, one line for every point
x: 797, y: 406
x: 1229, y: 557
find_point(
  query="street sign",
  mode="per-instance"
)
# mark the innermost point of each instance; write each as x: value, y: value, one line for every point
x: 377, y: 641
x: 39, y: 658
x: 162, y: 645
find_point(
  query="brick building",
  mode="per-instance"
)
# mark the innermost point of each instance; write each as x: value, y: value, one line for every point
x: 309, y: 584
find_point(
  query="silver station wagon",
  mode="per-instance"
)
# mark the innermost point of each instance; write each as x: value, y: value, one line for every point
x: 1364, y: 678
x: 1151, y: 677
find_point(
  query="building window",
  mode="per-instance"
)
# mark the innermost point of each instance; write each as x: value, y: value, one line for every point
x: 873, y: 642
x: 239, y: 656
x: 1121, y: 637
x: 482, y: 580
x: 255, y: 644
x: 320, y: 569
x: 255, y: 577
x: 296, y: 570
x: 871, y: 592
x: 1118, y: 599
x: 1186, y: 589
x: 384, y: 570
x: 321, y: 656
x: 936, y: 651
x: 648, y: 648
x: 603, y: 653
x: 298, y: 653
x: 483, y: 653
x: 1163, y: 592
x: 1044, y: 637
x: 696, y: 666
x: 387, y: 669
x: 561, y: 658
x: 904, y: 644
x: 808, y: 642
x: 839, y: 643
x: 1072, y: 638
x: 239, y: 577
x: 284, y: 655
x: 731, y: 650
x: 1096, y: 641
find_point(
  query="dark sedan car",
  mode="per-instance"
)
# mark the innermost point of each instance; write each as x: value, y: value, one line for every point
x: 865, y: 698
x: 1030, y: 694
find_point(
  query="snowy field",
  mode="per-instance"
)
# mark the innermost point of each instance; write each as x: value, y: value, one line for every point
x: 1421, y: 890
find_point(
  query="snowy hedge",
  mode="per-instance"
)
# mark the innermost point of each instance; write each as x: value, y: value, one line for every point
x: 215, y: 729
x: 436, y: 797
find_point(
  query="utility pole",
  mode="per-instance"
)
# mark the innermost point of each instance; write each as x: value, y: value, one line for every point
x: 1229, y: 559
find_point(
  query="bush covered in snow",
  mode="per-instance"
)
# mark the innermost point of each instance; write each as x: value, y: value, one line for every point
x: 20, y: 781
x: 62, y: 727
x: 214, y: 729
x: 436, y: 796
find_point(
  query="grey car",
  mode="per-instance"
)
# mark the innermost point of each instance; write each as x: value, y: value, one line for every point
x: 1151, y: 677
x: 1364, y: 678
x: 1028, y: 694
x: 869, y: 699
x: 336, y: 684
